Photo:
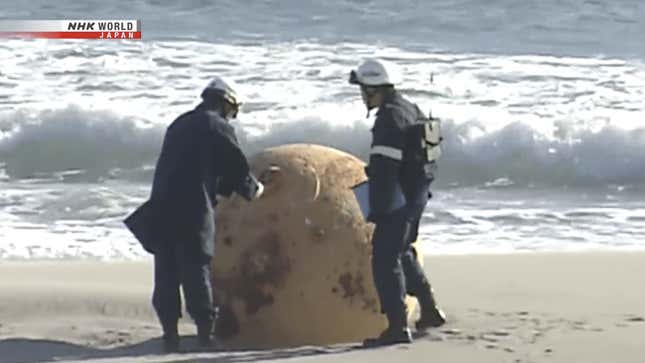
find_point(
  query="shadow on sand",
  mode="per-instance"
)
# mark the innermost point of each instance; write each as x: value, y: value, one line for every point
x: 21, y: 350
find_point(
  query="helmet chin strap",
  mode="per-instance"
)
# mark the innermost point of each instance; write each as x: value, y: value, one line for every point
x: 369, y: 94
x: 369, y: 111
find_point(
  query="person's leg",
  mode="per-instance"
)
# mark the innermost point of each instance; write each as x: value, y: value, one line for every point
x: 166, y: 299
x: 418, y: 285
x: 196, y: 284
x: 415, y: 278
x: 387, y: 243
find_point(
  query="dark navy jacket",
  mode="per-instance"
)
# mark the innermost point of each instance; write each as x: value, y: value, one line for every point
x: 386, y: 168
x: 200, y: 158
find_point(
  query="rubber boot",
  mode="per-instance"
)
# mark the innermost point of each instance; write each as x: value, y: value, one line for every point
x: 205, y: 338
x: 170, y: 338
x: 390, y: 336
x: 431, y: 315
x: 397, y: 332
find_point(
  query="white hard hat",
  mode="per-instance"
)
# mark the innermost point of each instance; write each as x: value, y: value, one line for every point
x: 226, y: 88
x: 375, y: 72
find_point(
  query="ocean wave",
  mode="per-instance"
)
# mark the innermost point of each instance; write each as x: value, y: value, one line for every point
x: 94, y: 143
x: 75, y: 144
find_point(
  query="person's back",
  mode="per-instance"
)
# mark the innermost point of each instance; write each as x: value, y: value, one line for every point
x: 178, y: 176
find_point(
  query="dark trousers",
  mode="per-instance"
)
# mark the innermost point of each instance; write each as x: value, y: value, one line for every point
x: 178, y: 265
x: 395, y: 267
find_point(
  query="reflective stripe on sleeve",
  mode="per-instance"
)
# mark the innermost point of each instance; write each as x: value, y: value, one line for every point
x: 390, y: 152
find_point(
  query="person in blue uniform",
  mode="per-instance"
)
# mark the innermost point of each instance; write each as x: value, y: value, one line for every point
x: 404, y: 149
x: 200, y: 159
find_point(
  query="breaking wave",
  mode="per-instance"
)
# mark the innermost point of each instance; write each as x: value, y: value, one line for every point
x: 75, y: 144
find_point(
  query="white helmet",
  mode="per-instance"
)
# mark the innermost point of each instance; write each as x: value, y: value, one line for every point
x: 225, y: 88
x: 375, y: 72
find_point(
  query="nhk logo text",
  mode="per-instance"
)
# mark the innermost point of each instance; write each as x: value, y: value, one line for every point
x: 108, y: 26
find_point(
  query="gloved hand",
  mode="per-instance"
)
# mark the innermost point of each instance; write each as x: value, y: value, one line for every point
x: 267, y: 178
x: 259, y: 191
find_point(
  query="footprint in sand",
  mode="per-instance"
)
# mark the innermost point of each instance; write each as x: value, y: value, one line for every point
x: 630, y: 319
x: 523, y: 316
x: 494, y: 336
x: 452, y: 332
x: 635, y: 319
x: 489, y: 339
x: 500, y: 333
x: 579, y: 325
x: 535, y: 335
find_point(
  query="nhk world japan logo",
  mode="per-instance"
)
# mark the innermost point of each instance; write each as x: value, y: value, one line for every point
x: 71, y: 29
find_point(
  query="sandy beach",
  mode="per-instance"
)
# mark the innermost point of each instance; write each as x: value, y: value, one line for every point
x: 534, y: 307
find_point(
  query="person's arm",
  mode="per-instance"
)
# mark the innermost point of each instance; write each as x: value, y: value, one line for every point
x: 384, y: 164
x: 236, y: 174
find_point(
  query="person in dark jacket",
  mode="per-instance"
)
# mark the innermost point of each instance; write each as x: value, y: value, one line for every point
x: 402, y: 160
x: 200, y: 159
